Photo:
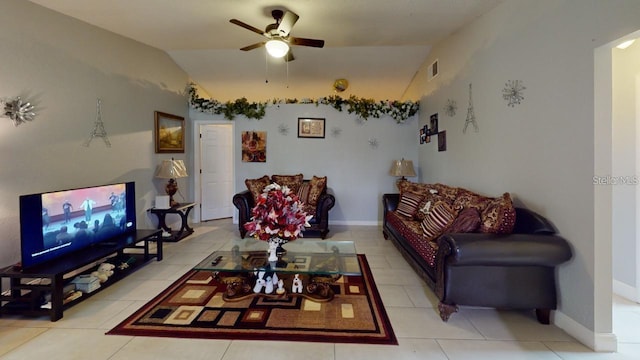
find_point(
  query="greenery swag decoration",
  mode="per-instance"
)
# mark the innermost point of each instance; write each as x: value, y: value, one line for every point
x: 364, y: 108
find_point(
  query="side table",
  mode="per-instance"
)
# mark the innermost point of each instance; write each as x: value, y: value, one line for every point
x: 180, y: 209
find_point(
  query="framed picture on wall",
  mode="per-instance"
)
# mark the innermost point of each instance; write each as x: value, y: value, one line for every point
x: 169, y: 133
x: 311, y: 128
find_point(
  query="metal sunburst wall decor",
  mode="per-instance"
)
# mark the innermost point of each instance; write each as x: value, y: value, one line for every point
x: 450, y: 108
x: 17, y: 110
x: 283, y: 129
x: 336, y: 131
x: 373, y: 142
x: 513, y: 92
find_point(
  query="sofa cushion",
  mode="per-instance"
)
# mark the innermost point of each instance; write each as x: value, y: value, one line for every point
x: 427, y: 203
x: 467, y: 221
x: 317, y: 187
x: 416, y: 188
x: 293, y: 182
x: 256, y: 186
x: 408, y: 205
x: 410, y: 230
x: 499, y: 216
x: 439, y: 219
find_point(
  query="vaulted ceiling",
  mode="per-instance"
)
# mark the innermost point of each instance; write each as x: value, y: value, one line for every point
x: 377, y: 45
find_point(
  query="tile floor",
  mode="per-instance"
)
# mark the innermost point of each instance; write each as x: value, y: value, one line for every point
x: 472, y: 333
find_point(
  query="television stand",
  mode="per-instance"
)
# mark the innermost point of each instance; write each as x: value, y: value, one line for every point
x: 28, y: 287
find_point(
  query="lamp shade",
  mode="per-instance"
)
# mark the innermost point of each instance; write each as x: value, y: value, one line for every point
x: 277, y: 48
x: 402, y: 168
x: 172, y: 169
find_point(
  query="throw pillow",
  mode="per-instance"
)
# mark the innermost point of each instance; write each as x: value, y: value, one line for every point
x: 293, y: 182
x: 303, y: 192
x: 467, y: 221
x: 438, y: 220
x: 317, y: 186
x: 499, y: 216
x: 256, y: 186
x: 426, y: 203
x: 408, y: 205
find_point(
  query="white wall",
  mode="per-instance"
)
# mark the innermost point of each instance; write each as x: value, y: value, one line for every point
x: 357, y: 173
x: 541, y: 151
x: 63, y: 65
x: 626, y: 70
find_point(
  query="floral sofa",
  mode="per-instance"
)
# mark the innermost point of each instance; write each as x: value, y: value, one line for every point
x: 476, y: 250
x: 313, y: 192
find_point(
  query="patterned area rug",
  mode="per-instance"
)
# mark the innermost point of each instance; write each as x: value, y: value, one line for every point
x: 193, y: 307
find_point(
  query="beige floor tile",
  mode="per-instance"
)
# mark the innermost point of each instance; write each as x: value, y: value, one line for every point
x: 496, y: 350
x: 129, y: 289
x: 69, y: 344
x: 425, y: 323
x: 279, y: 350
x: 512, y: 325
x: 421, y: 295
x: 154, y: 348
x: 394, y: 295
x: 407, y: 349
x: 91, y: 314
x: 13, y: 337
x: 577, y: 351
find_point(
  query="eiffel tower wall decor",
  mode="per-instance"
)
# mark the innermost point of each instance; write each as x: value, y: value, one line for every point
x: 98, y: 128
x: 471, y: 116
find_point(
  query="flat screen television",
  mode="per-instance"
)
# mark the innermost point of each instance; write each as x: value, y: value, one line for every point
x: 56, y: 223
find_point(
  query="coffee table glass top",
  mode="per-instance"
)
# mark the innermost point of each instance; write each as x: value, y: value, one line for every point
x: 303, y: 256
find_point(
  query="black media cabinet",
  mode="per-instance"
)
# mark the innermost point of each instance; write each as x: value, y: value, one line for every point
x: 28, y: 288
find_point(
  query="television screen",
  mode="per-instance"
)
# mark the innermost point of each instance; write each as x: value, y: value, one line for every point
x: 59, y: 222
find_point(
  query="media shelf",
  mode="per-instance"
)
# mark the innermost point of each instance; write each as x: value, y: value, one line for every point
x: 28, y: 288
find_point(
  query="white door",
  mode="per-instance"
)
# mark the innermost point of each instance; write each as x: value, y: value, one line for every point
x: 216, y: 171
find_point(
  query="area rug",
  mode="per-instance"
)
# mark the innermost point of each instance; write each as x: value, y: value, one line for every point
x: 193, y: 307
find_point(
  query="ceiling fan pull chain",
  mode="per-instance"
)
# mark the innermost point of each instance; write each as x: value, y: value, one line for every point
x: 266, y: 68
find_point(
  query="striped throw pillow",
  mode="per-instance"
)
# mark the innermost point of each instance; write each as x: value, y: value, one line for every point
x: 408, y: 204
x: 438, y: 220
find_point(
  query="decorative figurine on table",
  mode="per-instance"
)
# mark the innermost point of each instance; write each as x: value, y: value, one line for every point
x: 268, y: 288
x: 296, y: 287
x: 280, y: 289
x: 273, y: 246
x: 260, y: 283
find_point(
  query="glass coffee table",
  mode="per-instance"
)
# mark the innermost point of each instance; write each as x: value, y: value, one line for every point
x: 305, y: 268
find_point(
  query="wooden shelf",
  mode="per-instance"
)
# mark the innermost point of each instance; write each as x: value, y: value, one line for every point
x: 26, y: 297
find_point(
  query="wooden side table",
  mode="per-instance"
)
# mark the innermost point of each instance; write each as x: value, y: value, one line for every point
x: 180, y: 209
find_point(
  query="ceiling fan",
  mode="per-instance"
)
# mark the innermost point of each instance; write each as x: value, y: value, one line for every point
x: 278, y: 35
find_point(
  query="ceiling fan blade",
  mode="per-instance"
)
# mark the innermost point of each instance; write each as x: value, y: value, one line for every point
x: 286, y: 24
x: 253, y: 46
x: 306, y: 42
x: 246, y: 26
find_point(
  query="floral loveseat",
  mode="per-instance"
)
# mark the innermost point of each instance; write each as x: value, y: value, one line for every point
x: 475, y: 250
x: 312, y: 192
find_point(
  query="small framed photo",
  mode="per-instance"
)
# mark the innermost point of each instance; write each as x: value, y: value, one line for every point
x: 442, y: 141
x: 433, y: 120
x: 169, y: 133
x: 311, y: 128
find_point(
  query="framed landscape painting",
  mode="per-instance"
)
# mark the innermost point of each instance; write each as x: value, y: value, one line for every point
x: 169, y: 133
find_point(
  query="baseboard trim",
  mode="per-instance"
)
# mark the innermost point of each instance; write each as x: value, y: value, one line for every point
x: 600, y: 342
x: 354, y: 223
x: 626, y: 291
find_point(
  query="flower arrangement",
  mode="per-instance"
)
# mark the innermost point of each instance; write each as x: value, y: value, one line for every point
x: 278, y: 213
x: 364, y: 108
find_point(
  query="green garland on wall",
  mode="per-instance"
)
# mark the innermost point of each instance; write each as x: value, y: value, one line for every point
x: 364, y: 108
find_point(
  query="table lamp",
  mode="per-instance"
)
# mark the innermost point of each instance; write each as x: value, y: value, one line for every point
x: 402, y: 168
x: 172, y: 169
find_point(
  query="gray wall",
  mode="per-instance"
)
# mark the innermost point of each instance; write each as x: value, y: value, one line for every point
x: 63, y: 65
x: 357, y: 173
x: 626, y: 79
x: 541, y: 151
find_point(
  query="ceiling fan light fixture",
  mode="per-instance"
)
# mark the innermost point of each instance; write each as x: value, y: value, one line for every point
x: 277, y: 48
